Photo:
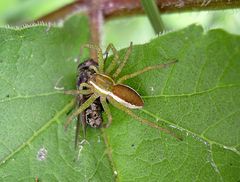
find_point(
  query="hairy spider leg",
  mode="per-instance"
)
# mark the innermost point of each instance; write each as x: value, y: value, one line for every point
x: 113, y: 64
x: 141, y: 120
x: 80, y: 91
x: 159, y: 66
x: 94, y: 68
x: 77, y: 92
x: 123, y: 63
x: 84, y: 106
x: 106, y: 110
x: 99, y: 54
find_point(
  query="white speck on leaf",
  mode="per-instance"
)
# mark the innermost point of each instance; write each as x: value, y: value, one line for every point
x: 210, y: 159
x: 81, y: 144
x: 79, y: 151
x: 231, y: 148
x: 99, y: 139
x: 42, y: 154
x: 75, y: 60
x: 56, y: 87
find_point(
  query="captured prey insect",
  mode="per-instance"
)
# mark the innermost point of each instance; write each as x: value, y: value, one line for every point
x: 91, y: 116
x: 106, y: 85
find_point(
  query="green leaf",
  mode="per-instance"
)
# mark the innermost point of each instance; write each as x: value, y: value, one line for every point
x: 32, y: 61
x: 198, y: 98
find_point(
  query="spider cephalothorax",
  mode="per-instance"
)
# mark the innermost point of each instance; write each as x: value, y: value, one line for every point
x: 105, y: 85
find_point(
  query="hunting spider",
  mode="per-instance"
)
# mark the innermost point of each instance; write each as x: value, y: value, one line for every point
x: 106, y: 85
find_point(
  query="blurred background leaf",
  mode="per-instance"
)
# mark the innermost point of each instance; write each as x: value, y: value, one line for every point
x: 18, y: 11
x: 136, y: 28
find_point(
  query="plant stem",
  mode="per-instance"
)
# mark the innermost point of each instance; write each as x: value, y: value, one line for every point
x: 153, y: 14
x: 96, y: 24
x: 115, y: 8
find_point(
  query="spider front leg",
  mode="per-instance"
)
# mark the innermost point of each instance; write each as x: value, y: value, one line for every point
x: 81, y: 90
x: 115, y: 58
x: 99, y: 54
x: 94, y: 68
x: 139, y: 72
x: 119, y: 69
x: 83, y: 107
x: 77, y: 92
x: 142, y: 120
x: 107, y: 110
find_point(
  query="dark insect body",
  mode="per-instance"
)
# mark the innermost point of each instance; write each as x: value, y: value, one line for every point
x: 92, y: 116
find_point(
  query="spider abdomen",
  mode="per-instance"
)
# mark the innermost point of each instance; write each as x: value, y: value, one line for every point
x: 127, y: 96
x: 123, y: 94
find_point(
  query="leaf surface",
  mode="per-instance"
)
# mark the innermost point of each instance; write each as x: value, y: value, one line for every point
x: 198, y: 98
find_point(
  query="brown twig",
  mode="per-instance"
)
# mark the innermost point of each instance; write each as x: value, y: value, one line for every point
x: 63, y: 12
x: 115, y: 8
x: 99, y: 10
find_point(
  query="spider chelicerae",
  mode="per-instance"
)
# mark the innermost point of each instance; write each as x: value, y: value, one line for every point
x: 106, y: 86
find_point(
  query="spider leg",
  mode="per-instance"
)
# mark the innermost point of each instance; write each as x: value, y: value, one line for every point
x: 84, y: 106
x: 77, y: 92
x: 80, y: 90
x: 99, y: 54
x: 107, y: 110
x: 115, y: 58
x: 142, y: 120
x: 84, y: 85
x: 126, y: 77
x: 119, y: 69
x: 94, y: 68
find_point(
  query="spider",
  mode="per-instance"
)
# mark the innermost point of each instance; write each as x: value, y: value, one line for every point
x: 106, y: 86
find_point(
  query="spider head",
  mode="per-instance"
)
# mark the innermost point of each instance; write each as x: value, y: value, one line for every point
x: 102, y: 83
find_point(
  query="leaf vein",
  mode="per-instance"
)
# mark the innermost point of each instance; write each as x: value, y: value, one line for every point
x: 38, y: 132
x: 193, y: 94
x: 29, y: 96
x: 191, y: 132
x: 218, y: 122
